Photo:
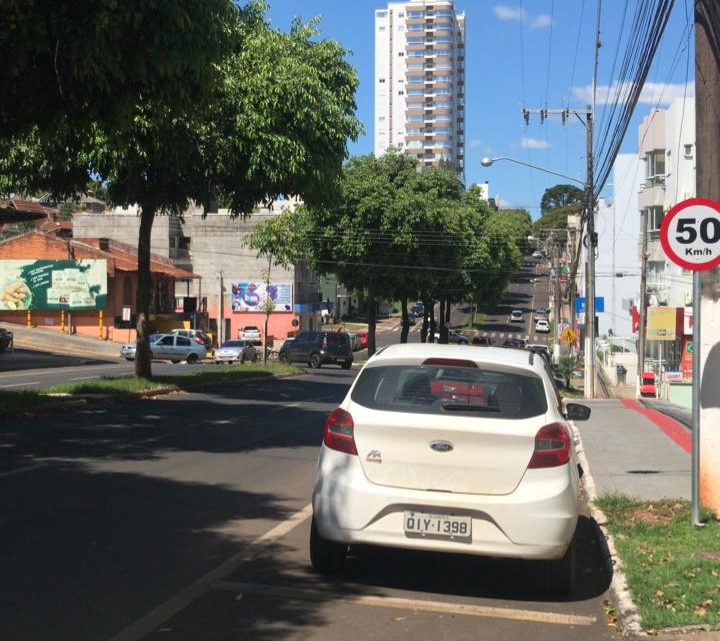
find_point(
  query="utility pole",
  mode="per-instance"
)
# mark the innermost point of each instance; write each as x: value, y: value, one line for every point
x: 590, y: 356
x: 642, y: 306
x: 558, y: 302
x: 706, y: 442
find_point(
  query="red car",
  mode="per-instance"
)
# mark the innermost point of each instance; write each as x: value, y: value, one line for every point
x: 648, y: 388
x: 363, y: 337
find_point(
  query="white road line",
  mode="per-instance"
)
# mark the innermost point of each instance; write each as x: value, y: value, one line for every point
x: 146, y: 624
x: 22, y: 384
x: 421, y: 605
x: 22, y: 470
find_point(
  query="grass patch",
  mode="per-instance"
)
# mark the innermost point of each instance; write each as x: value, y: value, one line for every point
x: 571, y: 392
x: 673, y: 568
x: 14, y: 402
x: 478, y: 320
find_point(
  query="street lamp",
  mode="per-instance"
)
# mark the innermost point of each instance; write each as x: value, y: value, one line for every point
x: 488, y: 162
x: 590, y: 364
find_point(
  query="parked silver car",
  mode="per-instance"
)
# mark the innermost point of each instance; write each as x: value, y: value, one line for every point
x: 170, y: 347
x: 236, y: 350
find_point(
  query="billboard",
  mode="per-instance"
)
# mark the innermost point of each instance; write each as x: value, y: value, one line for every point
x: 53, y: 284
x: 661, y: 323
x: 250, y: 296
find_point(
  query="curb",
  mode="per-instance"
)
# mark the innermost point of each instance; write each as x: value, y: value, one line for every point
x: 626, y: 612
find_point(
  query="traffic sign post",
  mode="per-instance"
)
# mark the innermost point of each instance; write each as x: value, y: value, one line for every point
x: 690, y: 236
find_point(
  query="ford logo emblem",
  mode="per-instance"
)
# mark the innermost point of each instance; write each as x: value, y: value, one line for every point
x: 442, y: 446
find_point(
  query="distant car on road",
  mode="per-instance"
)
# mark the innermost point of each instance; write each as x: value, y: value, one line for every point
x: 515, y: 343
x: 542, y: 326
x: 250, y: 333
x: 236, y: 351
x: 196, y: 334
x: 169, y: 347
x: 6, y: 339
x: 320, y: 348
x: 418, y: 309
x: 648, y: 388
x: 482, y: 340
x: 517, y: 316
x: 536, y: 254
x: 454, y: 337
x: 541, y: 312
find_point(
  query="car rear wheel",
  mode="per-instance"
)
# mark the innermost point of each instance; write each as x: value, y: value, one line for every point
x: 192, y: 359
x: 254, y: 358
x: 327, y: 557
x: 315, y: 361
x: 346, y: 365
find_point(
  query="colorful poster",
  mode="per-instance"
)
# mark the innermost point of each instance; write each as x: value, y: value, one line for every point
x: 53, y: 284
x: 253, y: 296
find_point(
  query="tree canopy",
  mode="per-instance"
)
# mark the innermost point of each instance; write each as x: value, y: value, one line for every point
x: 560, y: 196
x: 272, y: 115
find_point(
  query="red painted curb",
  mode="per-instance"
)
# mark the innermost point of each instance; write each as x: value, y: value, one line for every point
x: 671, y: 427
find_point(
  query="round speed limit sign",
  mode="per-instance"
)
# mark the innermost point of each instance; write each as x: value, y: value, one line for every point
x: 690, y: 234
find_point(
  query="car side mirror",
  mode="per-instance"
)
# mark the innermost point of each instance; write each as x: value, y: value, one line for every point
x: 577, y: 412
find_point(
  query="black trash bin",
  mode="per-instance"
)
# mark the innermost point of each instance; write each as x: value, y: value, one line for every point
x: 620, y: 374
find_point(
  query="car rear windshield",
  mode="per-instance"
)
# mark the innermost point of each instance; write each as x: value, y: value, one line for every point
x: 468, y: 391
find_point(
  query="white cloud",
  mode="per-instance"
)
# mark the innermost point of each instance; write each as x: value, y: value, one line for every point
x: 534, y: 143
x: 476, y: 144
x: 652, y: 93
x: 504, y: 12
x: 541, y: 21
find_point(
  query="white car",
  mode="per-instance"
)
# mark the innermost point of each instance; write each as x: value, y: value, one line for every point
x: 542, y: 326
x: 537, y: 254
x: 449, y: 448
x: 250, y: 333
x: 517, y: 316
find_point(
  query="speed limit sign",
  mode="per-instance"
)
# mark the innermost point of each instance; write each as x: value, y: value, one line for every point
x: 690, y: 234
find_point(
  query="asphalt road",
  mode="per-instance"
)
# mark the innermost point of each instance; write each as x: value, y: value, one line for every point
x: 186, y: 518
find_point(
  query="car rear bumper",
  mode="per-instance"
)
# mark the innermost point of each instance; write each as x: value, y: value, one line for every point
x: 536, y: 521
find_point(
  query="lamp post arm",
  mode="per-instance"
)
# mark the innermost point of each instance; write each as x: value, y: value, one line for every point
x: 486, y: 162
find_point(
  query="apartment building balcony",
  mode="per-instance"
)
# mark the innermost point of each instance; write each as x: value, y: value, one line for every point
x: 653, y: 195
x: 654, y: 247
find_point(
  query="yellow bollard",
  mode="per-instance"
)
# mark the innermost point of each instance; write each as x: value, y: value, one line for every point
x: 100, y: 324
x: 29, y: 318
x: 62, y: 320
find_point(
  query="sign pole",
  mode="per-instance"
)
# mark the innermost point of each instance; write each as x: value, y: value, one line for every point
x: 695, y: 465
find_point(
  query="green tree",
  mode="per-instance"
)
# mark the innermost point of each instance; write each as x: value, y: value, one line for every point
x: 556, y: 219
x: 559, y: 196
x: 273, y: 117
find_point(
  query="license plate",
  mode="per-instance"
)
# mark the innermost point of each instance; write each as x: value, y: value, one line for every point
x: 444, y: 525
x: 340, y: 360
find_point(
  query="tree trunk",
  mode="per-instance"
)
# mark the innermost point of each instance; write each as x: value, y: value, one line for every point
x: 424, y: 328
x: 264, y: 341
x: 405, y: 321
x: 143, y: 356
x: 371, y: 321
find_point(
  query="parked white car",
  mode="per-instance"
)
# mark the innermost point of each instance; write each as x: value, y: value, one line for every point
x: 517, y: 316
x: 450, y: 449
x: 542, y: 326
x: 236, y: 351
x: 169, y: 347
x: 250, y: 333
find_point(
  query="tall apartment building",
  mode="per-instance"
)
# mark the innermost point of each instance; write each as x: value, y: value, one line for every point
x: 420, y: 81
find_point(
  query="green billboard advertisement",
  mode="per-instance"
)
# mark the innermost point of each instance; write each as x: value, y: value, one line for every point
x: 53, y: 284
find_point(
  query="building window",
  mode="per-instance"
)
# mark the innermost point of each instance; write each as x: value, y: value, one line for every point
x: 415, y: 27
x: 381, y: 14
x: 655, y: 217
x: 382, y: 28
x: 415, y: 92
x: 415, y: 40
x: 382, y: 81
x: 401, y: 93
x: 688, y: 151
x: 127, y: 291
x: 655, y: 164
x: 401, y: 54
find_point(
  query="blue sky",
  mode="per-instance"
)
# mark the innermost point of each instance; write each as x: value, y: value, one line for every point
x: 519, y: 54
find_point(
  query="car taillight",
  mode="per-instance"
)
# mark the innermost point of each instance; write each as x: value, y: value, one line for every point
x: 324, y: 343
x: 199, y: 341
x: 552, y: 446
x: 339, y: 429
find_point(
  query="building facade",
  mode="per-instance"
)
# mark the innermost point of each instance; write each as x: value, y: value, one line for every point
x: 420, y: 82
x: 667, y: 149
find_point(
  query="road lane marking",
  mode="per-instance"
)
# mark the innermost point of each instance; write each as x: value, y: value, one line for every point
x: 22, y: 384
x: 422, y: 605
x: 155, y: 618
x: 22, y: 470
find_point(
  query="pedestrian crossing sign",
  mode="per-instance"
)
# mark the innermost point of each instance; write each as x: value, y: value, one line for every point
x: 568, y: 335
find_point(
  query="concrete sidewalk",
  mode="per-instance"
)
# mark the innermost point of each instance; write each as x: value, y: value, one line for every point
x: 634, y: 453
x: 55, y: 342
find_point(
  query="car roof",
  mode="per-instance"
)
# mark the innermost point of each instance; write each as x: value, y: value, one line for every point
x: 414, y: 352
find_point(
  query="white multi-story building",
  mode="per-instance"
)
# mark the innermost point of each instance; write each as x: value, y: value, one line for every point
x: 618, y: 261
x: 420, y: 81
x: 667, y: 146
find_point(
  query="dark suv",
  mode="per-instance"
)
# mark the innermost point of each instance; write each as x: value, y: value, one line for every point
x: 320, y: 348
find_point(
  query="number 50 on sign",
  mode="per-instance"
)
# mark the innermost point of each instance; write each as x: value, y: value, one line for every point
x: 690, y: 234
